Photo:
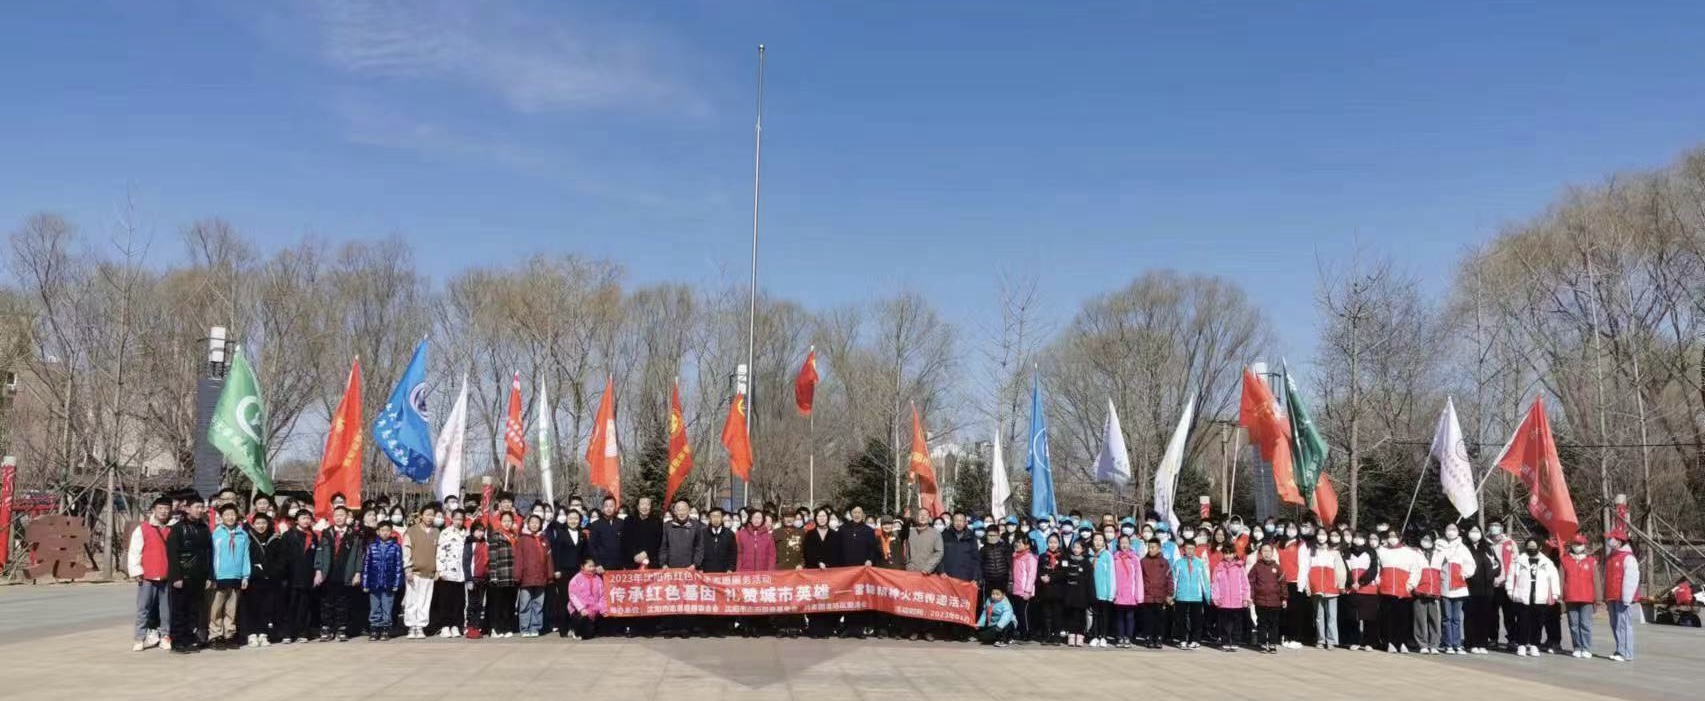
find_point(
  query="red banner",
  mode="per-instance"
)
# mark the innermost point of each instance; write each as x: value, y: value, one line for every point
x: 8, y: 475
x: 678, y: 592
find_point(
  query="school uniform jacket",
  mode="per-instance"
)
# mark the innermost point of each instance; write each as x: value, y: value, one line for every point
x: 1190, y: 579
x: 1363, y: 564
x: 339, y: 557
x: 1456, y: 565
x: 1326, y: 572
x: 1399, y: 571
x: 1533, y: 581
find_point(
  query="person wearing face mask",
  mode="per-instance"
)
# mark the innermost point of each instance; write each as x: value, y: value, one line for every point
x: 501, y: 581
x: 1621, y: 584
x: 568, y: 550
x: 449, y: 591
x: 1480, y: 615
x: 476, y: 565
x: 1050, y: 591
x: 1534, y: 587
x: 1023, y: 586
x: 822, y: 551
x: 1580, y: 577
x: 1428, y: 589
x: 1456, y: 565
x: 1322, y: 583
x: 1230, y: 591
x: 1297, y: 626
x: 790, y: 541
x: 1191, y: 576
x: 924, y: 546
x: 1399, y: 572
x: 1506, y: 549
x: 1039, y: 535
x: 420, y: 562
x: 1363, y: 596
x: 1267, y: 593
x: 1251, y: 549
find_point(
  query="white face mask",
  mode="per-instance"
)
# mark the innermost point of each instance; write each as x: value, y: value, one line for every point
x: 940, y: 527
x: 437, y: 521
x: 1452, y: 534
x: 398, y: 520
x: 1474, y: 536
x: 562, y: 518
x: 1360, y: 542
x: 799, y: 523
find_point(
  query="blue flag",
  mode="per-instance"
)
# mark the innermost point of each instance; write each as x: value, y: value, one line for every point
x: 403, y: 429
x: 1036, y: 462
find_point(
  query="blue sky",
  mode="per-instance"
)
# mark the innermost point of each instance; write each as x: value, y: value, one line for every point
x: 921, y: 145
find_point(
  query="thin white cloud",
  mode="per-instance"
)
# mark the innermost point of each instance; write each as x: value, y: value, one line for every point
x: 533, y: 63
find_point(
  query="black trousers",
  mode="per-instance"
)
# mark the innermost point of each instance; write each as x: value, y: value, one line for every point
x: 1050, y: 629
x: 1267, y: 625
x: 1553, y: 627
x: 189, y: 612
x: 1102, y: 625
x: 448, y: 601
x: 337, y: 608
x: 990, y: 635
x: 1396, y: 619
x: 1154, y: 618
x: 500, y: 608
x: 1299, y: 616
x: 584, y: 626
x: 556, y: 607
x: 258, y: 609
x: 1077, y: 620
x: 1190, y: 616
x: 298, y: 612
x: 1530, y: 621
x: 1480, y: 622
x: 1510, y: 612
x: 475, y: 618
x: 1021, y: 611
x: 1231, y: 625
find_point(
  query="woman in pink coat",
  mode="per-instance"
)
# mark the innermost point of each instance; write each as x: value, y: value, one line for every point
x: 1230, y: 591
x: 1127, y: 591
x: 756, y: 546
x: 586, y: 599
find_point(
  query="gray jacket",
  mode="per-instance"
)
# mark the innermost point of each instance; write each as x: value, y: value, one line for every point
x: 683, y: 544
x: 925, y: 547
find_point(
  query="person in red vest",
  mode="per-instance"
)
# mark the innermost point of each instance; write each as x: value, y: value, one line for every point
x: 1580, y: 575
x: 1399, y: 572
x: 1621, y: 588
x: 1296, y: 624
x: 147, y: 562
x: 1363, y: 593
x: 1428, y: 590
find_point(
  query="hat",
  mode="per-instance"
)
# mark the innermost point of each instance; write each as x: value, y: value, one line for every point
x: 1127, y: 521
x: 1162, y: 527
x: 1012, y: 520
x: 1578, y: 540
x: 977, y: 525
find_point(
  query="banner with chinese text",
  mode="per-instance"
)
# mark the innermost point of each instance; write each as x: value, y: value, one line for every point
x: 679, y: 592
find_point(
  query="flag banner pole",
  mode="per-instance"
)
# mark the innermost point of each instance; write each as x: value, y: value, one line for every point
x: 1417, y: 494
x: 811, y: 463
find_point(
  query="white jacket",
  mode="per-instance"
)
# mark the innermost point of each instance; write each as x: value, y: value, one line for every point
x: 1403, y: 558
x: 133, y: 554
x: 1453, y: 553
x: 1309, y: 557
x: 1522, y: 579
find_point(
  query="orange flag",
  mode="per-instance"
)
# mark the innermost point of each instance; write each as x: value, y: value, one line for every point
x: 922, y: 470
x: 1270, y: 433
x: 603, y: 455
x: 1325, y: 500
x: 1532, y: 456
x: 805, y: 386
x: 340, y: 464
x: 736, y: 439
x: 680, y: 452
x: 515, y: 431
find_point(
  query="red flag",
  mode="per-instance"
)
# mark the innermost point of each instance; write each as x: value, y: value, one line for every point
x: 922, y: 470
x: 805, y: 387
x: 736, y: 439
x: 340, y: 464
x: 1325, y: 500
x: 514, y: 430
x: 1532, y: 456
x: 680, y: 452
x: 603, y: 455
x: 1270, y: 433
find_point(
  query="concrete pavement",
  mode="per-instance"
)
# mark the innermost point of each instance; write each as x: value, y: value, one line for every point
x: 88, y: 656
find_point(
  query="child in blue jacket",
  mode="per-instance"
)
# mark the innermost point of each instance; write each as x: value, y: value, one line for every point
x: 997, y: 623
x: 230, y: 577
x: 381, y: 577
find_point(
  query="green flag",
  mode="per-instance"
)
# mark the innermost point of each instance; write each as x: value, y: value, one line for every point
x: 1308, y: 449
x: 238, y: 421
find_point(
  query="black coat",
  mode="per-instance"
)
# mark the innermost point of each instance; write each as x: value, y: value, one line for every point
x: 605, y: 543
x: 1487, y: 568
x: 859, y: 545
x: 189, y: 551
x: 297, y: 550
x: 959, y: 555
x: 339, y: 559
x: 822, y: 548
x: 1054, y: 569
x: 720, y: 550
x: 1078, y: 585
x: 996, y: 563
x: 567, y: 550
x: 642, y: 535
x: 267, y: 559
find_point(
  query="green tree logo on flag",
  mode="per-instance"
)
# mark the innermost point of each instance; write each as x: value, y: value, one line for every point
x: 238, y: 422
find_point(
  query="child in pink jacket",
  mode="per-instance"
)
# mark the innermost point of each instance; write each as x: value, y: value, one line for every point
x: 1230, y: 592
x: 586, y: 599
x: 1127, y: 592
x: 1023, y: 585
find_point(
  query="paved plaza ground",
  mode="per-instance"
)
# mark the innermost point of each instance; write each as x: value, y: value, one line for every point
x: 73, y: 642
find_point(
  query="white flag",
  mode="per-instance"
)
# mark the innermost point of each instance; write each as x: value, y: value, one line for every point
x: 1171, y: 462
x: 448, y: 451
x: 1113, y: 464
x: 1455, y: 474
x: 1001, y: 490
x: 544, y: 449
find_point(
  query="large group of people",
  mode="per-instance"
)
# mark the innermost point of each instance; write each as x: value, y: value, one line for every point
x: 225, y: 575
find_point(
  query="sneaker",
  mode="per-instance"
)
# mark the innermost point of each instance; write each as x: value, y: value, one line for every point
x: 1390, y: 648
x: 344, y: 637
x: 1618, y: 658
x: 166, y: 643
x: 265, y: 641
x: 138, y: 646
x: 1402, y: 649
x: 999, y: 644
x: 1481, y: 651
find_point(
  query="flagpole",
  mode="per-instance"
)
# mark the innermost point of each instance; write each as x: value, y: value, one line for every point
x: 1417, y: 494
x: 752, y: 303
x: 811, y: 469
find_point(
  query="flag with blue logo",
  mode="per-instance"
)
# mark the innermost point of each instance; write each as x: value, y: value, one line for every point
x: 403, y: 430
x: 1036, y: 462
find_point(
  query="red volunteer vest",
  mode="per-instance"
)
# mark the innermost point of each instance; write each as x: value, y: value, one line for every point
x: 1578, y: 579
x: 153, y: 551
x: 1288, y: 561
x: 1615, y: 567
